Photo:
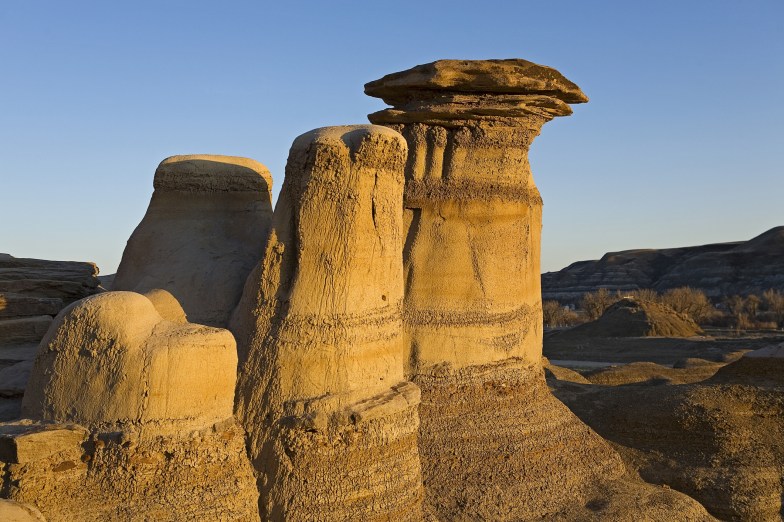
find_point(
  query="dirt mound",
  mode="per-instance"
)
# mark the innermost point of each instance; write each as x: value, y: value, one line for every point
x: 632, y: 318
x: 763, y: 367
x: 718, y: 441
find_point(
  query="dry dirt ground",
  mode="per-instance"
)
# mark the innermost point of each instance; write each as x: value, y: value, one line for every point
x: 720, y: 347
x: 686, y: 413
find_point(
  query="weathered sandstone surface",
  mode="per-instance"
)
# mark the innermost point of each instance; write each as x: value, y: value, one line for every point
x: 129, y: 416
x: 203, y: 233
x: 111, y: 362
x: 722, y: 269
x: 494, y: 443
x: 331, y: 420
x: 11, y: 511
x: 719, y: 441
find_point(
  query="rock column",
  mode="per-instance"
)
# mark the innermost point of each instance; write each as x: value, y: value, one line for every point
x: 332, y: 420
x: 493, y: 441
x: 203, y: 233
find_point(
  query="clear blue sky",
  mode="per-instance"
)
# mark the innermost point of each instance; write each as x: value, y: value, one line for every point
x: 681, y: 143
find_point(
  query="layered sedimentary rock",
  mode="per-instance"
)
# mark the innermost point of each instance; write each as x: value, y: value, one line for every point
x: 32, y: 292
x: 494, y: 443
x: 332, y: 420
x: 31, y: 287
x: 723, y: 269
x: 472, y: 210
x: 203, y: 233
x: 129, y: 416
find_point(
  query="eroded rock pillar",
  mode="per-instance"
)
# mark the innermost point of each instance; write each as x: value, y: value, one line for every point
x: 202, y: 234
x: 494, y: 443
x: 332, y: 420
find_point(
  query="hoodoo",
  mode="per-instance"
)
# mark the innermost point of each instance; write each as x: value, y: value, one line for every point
x: 332, y: 421
x: 494, y: 443
x: 203, y: 233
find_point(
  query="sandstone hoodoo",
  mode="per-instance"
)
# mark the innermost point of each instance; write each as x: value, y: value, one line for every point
x: 332, y: 420
x: 134, y: 415
x: 387, y: 327
x: 472, y: 304
x: 203, y: 233
x: 472, y: 210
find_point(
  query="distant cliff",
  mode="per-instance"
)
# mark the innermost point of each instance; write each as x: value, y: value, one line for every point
x: 720, y: 269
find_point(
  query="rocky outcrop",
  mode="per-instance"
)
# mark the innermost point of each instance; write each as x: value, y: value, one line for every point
x: 32, y: 292
x: 631, y: 317
x: 722, y: 269
x: 332, y: 422
x: 494, y: 443
x: 129, y: 416
x: 203, y: 233
x: 33, y: 286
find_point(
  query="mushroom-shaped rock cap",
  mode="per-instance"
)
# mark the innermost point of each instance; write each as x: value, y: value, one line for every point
x: 212, y: 173
x: 512, y: 76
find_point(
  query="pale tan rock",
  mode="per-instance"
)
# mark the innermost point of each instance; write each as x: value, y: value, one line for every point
x: 129, y: 416
x: 111, y: 362
x: 332, y: 420
x: 166, y: 305
x: 203, y: 233
x: 69, y: 475
x: 26, y: 441
x: 494, y: 443
x: 11, y: 511
x: 472, y: 210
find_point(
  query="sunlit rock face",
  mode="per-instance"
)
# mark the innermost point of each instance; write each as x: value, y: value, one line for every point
x: 473, y: 213
x: 494, y: 443
x: 129, y: 416
x: 110, y: 362
x: 332, y: 421
x: 203, y: 233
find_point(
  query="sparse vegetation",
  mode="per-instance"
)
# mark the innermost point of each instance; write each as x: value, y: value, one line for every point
x: 691, y: 302
x: 773, y: 300
x: 557, y: 315
x: 595, y: 303
x: 742, y: 312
